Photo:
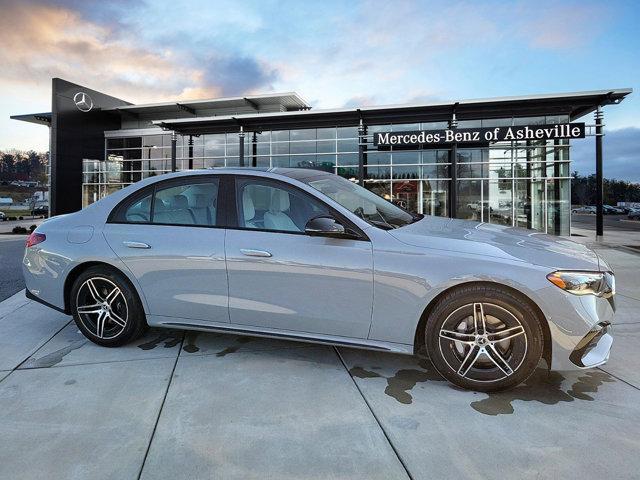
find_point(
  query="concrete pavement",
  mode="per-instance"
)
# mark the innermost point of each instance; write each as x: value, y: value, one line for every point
x: 613, y: 238
x: 290, y: 413
x: 195, y: 405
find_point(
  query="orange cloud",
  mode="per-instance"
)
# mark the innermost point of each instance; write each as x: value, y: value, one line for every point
x: 41, y: 41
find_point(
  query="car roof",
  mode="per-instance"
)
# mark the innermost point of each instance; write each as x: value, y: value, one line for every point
x: 295, y: 173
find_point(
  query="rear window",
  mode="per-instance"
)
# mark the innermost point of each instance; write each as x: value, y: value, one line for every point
x: 186, y: 203
x: 139, y: 211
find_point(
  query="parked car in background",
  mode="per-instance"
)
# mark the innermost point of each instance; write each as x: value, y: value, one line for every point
x: 634, y: 214
x: 586, y: 209
x: 297, y: 254
x: 611, y: 210
x: 40, y: 210
x: 3, y: 217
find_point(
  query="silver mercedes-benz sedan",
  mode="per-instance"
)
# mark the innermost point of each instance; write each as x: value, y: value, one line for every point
x: 307, y: 255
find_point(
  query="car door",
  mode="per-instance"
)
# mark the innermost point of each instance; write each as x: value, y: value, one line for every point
x: 169, y: 236
x: 281, y: 278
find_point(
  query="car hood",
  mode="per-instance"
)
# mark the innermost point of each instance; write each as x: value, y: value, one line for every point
x: 497, y: 241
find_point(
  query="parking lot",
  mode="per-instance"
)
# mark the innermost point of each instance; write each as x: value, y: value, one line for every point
x: 610, y: 222
x: 195, y: 405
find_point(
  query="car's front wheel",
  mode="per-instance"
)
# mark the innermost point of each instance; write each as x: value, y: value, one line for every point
x: 484, y: 338
x: 106, y: 308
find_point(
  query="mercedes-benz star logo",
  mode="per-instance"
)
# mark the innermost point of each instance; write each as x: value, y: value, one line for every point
x: 83, y: 101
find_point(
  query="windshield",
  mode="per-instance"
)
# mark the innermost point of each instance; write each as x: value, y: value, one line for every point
x: 360, y: 201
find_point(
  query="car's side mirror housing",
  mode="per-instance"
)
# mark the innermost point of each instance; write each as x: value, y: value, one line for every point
x: 325, y: 226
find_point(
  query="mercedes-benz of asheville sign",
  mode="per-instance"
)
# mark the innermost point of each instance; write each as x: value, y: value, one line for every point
x: 479, y: 135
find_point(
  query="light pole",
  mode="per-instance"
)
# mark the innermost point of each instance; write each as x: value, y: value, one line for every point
x: 599, y: 176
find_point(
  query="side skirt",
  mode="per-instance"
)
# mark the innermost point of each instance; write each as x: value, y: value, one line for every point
x: 188, y: 324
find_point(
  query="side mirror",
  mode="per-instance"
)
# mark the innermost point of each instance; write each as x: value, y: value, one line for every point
x: 325, y: 226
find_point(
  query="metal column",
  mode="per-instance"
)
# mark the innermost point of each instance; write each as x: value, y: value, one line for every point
x: 174, y: 143
x: 254, y: 150
x: 599, y: 177
x: 190, y: 152
x: 241, y: 147
x: 453, y: 187
x: 556, y: 189
x: 453, y: 173
x: 362, y: 148
x: 529, y: 207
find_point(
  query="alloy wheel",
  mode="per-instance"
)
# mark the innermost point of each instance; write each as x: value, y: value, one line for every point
x: 102, y: 307
x: 483, y: 342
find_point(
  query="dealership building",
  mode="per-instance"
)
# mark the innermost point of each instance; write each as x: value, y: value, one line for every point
x: 502, y: 160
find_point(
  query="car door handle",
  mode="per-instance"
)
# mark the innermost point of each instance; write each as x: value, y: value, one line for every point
x: 136, y: 244
x: 249, y: 252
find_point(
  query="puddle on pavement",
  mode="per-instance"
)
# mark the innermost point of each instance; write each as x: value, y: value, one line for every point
x: 234, y: 348
x: 190, y: 342
x: 544, y: 387
x: 170, y: 338
x: 53, y: 358
x: 400, y: 384
x: 589, y: 383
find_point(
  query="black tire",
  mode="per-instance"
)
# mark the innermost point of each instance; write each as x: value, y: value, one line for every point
x: 102, y: 282
x: 474, y: 358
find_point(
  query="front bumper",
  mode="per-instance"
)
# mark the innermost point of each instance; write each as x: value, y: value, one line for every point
x: 580, y: 328
x: 594, y: 348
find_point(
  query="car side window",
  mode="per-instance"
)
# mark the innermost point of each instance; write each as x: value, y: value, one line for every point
x: 274, y: 206
x: 186, y: 204
x: 139, y: 211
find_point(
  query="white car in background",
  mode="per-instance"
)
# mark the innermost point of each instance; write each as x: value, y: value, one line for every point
x: 634, y: 214
x: 591, y: 210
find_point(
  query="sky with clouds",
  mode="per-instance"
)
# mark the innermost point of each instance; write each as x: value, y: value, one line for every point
x: 333, y: 53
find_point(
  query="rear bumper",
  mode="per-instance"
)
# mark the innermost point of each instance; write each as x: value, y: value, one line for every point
x: 31, y: 296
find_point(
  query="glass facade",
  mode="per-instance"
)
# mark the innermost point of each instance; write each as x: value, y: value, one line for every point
x: 525, y: 183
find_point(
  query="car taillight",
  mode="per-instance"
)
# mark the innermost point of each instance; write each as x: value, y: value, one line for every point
x: 35, y: 238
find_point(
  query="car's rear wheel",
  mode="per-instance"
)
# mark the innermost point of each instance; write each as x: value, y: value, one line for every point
x: 106, y: 308
x: 484, y: 338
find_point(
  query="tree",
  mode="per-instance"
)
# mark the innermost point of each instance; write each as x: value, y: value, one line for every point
x: 583, y: 190
x: 7, y: 165
x: 29, y: 165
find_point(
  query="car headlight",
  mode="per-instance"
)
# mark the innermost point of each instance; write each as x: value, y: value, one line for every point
x: 600, y: 284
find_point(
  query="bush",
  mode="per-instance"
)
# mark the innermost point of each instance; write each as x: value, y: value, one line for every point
x: 20, y: 217
x: 19, y: 229
x: 11, y: 218
x: 32, y: 228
